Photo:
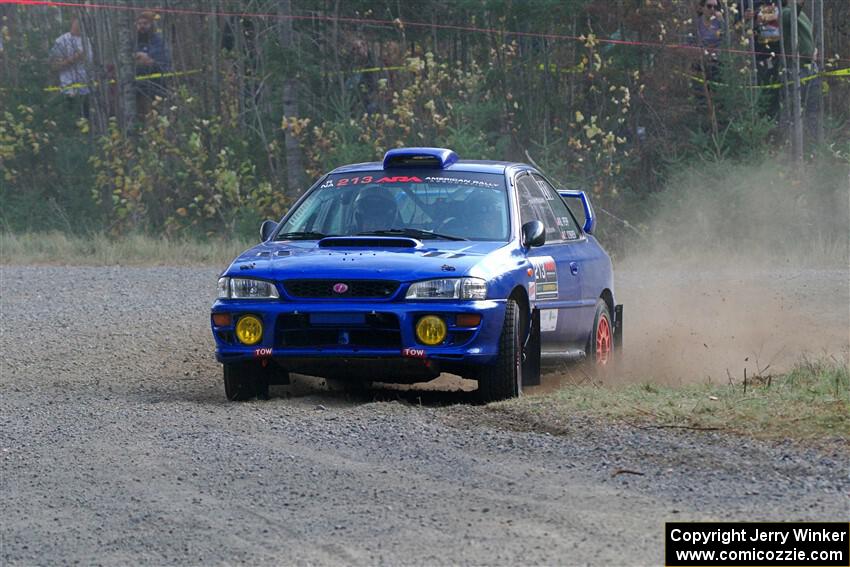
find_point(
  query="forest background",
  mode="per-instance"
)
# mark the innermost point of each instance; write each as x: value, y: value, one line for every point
x: 265, y: 95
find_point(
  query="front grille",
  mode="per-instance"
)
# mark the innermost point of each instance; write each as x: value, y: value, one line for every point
x: 338, y: 330
x: 317, y: 289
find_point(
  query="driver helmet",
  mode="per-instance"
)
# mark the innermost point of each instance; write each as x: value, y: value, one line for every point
x: 374, y: 209
x: 484, y: 210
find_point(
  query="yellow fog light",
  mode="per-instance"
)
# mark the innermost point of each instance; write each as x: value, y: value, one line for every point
x: 249, y: 330
x: 430, y: 330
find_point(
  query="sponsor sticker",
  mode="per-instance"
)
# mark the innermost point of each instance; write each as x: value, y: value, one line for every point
x: 548, y: 320
x: 461, y: 181
x: 413, y: 352
x: 365, y: 179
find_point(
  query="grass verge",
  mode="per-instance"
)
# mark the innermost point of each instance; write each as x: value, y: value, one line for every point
x: 812, y: 402
x: 103, y: 250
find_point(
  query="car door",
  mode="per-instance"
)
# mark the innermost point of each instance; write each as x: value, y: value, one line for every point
x: 557, y: 285
x: 585, y: 263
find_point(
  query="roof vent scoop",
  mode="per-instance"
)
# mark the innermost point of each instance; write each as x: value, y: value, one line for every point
x: 436, y: 158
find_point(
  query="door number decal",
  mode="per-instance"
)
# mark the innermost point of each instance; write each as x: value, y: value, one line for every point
x: 545, y: 276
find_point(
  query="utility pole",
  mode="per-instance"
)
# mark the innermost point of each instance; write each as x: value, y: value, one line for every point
x: 797, y: 142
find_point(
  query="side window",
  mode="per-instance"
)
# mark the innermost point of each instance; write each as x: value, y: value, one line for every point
x: 564, y: 218
x: 535, y: 203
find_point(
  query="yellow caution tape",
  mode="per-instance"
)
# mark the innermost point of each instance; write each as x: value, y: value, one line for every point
x: 540, y: 67
x: 555, y: 69
x: 113, y: 81
x: 379, y: 69
x: 836, y: 73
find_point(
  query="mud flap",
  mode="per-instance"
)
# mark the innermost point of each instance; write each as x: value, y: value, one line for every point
x: 531, y: 352
x: 275, y: 374
x: 618, y: 327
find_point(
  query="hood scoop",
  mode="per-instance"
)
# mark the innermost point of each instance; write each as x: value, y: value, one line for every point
x: 368, y: 242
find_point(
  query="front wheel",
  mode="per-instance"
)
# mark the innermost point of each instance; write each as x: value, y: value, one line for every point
x: 243, y: 381
x: 503, y: 379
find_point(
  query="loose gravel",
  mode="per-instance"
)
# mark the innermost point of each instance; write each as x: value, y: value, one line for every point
x: 117, y: 447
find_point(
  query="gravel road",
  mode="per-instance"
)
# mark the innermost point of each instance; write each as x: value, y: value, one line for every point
x: 117, y: 447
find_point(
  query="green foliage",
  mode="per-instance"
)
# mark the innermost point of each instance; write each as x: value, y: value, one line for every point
x: 176, y: 176
x: 735, y: 124
x: 41, y: 184
x: 422, y: 113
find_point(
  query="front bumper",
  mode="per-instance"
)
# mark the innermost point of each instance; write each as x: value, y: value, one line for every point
x: 362, y: 331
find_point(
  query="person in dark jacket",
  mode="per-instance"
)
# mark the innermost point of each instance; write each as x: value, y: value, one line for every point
x: 152, y: 58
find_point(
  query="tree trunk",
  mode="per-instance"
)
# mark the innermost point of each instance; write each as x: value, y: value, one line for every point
x: 294, y: 161
x: 126, y: 67
x: 797, y: 144
x: 819, y: 34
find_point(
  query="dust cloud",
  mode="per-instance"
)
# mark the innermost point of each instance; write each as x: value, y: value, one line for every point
x: 742, y: 268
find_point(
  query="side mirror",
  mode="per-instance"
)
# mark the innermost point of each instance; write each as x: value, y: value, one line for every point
x: 533, y: 234
x: 266, y: 229
x: 589, y: 216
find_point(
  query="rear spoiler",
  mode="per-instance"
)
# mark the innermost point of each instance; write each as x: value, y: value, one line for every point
x: 589, y: 216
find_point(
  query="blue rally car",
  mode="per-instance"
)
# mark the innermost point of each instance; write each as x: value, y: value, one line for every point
x: 424, y: 263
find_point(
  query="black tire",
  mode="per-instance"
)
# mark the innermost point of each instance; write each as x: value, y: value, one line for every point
x: 602, y: 333
x: 531, y: 354
x: 244, y: 381
x: 503, y: 379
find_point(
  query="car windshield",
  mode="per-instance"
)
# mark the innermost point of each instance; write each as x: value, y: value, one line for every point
x: 425, y: 204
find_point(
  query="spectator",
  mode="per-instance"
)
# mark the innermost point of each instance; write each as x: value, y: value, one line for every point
x: 710, y: 28
x: 151, y: 57
x: 71, y: 57
x: 363, y: 80
x: 710, y: 33
x: 764, y: 21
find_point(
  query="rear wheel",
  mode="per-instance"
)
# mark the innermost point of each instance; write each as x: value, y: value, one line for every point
x: 503, y: 379
x: 600, y: 347
x: 245, y: 380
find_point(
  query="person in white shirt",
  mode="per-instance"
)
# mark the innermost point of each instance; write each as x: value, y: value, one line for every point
x: 71, y: 56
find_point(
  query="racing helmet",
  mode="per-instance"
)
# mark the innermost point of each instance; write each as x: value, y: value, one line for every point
x: 374, y: 209
x: 484, y: 209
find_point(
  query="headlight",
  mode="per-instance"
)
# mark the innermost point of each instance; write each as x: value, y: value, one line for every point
x: 223, y: 288
x: 448, y: 288
x: 246, y: 288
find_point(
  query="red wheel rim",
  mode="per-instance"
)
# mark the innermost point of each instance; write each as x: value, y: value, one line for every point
x: 603, y: 340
